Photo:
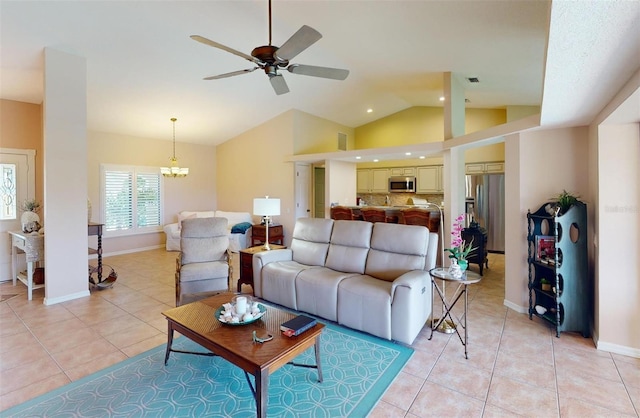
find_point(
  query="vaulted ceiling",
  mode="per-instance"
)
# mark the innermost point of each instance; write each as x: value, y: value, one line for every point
x: 143, y: 68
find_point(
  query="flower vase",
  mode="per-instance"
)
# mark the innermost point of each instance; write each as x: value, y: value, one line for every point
x: 454, y: 269
x: 30, y: 221
x: 464, y: 264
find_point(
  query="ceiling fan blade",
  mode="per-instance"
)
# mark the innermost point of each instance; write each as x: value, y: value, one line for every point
x: 279, y: 84
x: 231, y: 74
x: 299, y: 41
x: 209, y: 42
x: 324, y: 72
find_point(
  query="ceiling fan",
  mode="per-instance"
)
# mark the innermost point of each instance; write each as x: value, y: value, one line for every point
x: 270, y: 58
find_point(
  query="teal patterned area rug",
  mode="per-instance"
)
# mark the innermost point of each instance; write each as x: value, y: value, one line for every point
x: 357, y: 369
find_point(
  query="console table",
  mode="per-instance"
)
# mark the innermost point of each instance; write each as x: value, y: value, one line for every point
x: 33, y: 248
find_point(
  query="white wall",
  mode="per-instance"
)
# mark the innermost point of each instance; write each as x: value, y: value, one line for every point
x: 340, y: 184
x: 618, y: 238
x: 65, y: 180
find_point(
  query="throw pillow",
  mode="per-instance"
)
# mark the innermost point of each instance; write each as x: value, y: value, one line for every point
x: 240, y: 228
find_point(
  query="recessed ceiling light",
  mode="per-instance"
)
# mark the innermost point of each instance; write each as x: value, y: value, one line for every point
x: 369, y: 110
x: 358, y: 157
x: 442, y: 98
x: 407, y: 153
x: 422, y: 157
x: 375, y: 160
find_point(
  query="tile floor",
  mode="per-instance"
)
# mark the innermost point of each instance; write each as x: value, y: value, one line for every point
x: 516, y: 367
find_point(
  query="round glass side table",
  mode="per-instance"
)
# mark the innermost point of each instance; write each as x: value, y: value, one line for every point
x: 442, y: 274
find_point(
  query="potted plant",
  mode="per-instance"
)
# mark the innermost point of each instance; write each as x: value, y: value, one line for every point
x: 565, y: 200
x: 459, y: 251
x: 545, y: 285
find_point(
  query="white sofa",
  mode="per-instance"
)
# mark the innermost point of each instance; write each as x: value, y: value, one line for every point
x: 237, y: 241
x: 370, y: 277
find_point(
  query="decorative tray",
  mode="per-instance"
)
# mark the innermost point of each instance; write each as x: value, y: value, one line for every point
x: 257, y: 311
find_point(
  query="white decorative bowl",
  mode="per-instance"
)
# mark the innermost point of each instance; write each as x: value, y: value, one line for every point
x: 541, y: 309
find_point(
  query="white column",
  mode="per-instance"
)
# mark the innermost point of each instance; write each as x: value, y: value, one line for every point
x: 454, y: 190
x: 65, y: 176
x: 453, y: 107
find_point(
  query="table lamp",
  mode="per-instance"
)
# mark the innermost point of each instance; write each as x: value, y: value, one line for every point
x: 266, y: 208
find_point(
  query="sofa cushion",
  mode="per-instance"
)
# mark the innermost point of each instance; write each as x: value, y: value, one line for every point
x: 317, y: 291
x: 279, y: 282
x: 182, y: 217
x: 204, y: 271
x: 364, y: 303
x: 396, y: 249
x: 349, y: 246
x: 203, y: 239
x: 310, y: 240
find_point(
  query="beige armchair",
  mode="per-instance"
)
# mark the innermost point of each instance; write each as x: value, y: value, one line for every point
x: 203, y: 266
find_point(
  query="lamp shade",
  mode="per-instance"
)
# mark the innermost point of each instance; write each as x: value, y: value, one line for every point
x: 266, y: 207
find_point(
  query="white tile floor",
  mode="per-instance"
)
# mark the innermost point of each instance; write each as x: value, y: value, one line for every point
x: 516, y: 367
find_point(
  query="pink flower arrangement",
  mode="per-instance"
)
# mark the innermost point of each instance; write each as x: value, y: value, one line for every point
x: 458, y: 249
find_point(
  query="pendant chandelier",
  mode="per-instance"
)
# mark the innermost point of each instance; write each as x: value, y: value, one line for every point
x: 173, y: 170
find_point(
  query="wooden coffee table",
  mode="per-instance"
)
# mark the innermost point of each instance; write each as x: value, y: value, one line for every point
x: 197, y: 322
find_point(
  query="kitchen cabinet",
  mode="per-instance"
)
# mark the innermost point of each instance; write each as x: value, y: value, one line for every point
x: 429, y: 179
x: 403, y: 171
x: 559, y: 286
x: 482, y: 168
x: 373, y: 180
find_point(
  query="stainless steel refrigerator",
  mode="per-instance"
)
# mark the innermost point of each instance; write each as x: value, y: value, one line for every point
x: 485, y: 204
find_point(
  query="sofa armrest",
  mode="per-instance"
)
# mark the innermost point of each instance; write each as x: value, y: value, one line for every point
x: 410, y: 304
x: 262, y: 259
x: 171, y: 230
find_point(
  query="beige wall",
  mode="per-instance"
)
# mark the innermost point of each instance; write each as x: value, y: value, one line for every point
x: 617, y: 238
x: 21, y: 128
x: 195, y: 192
x: 252, y: 165
x: 340, y: 184
x: 317, y: 135
x: 540, y: 165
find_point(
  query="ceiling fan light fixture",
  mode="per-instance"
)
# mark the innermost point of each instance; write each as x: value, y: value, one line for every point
x: 174, y: 170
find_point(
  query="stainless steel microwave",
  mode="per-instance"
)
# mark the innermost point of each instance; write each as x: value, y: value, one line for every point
x: 402, y: 184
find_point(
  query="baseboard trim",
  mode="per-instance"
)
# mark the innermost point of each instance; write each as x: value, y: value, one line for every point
x: 52, y: 301
x: 618, y: 349
x: 131, y: 251
x: 517, y: 308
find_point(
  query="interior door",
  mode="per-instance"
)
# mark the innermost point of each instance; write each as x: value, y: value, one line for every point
x: 303, y: 194
x: 318, y: 192
x: 17, y: 184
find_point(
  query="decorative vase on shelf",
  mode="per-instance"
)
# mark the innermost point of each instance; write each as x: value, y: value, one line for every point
x: 30, y: 221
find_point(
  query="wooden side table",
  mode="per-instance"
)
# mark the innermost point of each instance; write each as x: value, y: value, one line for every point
x: 246, y: 263
x: 258, y: 234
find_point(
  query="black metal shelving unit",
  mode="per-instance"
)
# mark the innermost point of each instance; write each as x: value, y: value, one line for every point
x: 567, y: 305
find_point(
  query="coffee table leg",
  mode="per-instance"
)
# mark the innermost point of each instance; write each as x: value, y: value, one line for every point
x: 316, y: 348
x: 262, y: 390
x: 169, y: 342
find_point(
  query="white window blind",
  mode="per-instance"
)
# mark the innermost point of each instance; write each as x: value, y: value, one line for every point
x: 132, y: 197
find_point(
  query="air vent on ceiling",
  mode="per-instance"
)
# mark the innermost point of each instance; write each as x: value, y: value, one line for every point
x: 473, y: 80
x: 342, y: 141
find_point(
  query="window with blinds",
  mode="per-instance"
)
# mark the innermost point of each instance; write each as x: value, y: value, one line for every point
x: 132, y: 197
